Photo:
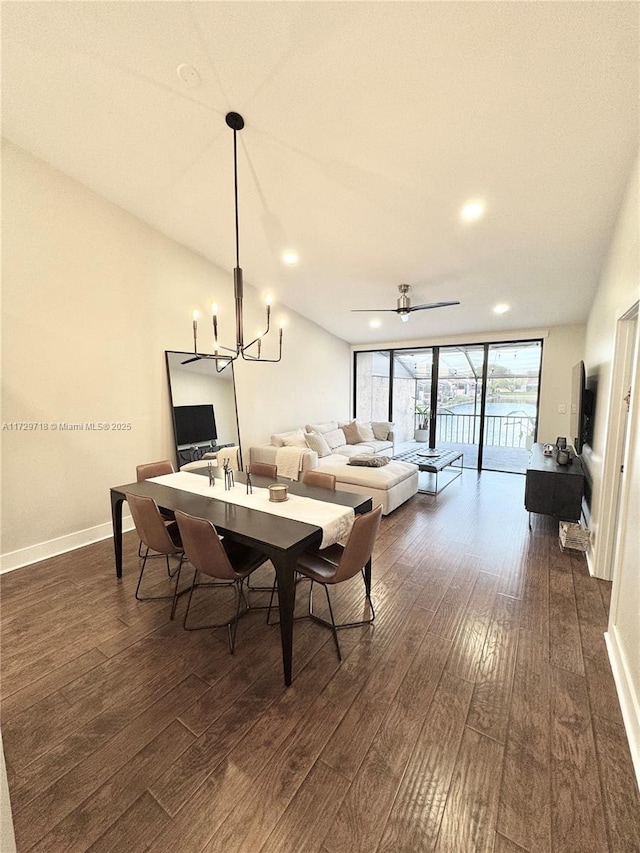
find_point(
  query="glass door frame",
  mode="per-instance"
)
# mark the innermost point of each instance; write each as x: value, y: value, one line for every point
x: 435, y: 350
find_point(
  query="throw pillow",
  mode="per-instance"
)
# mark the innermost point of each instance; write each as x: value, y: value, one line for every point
x: 381, y: 430
x: 351, y: 433
x: 369, y: 460
x: 277, y: 439
x: 295, y: 440
x: 335, y: 438
x: 365, y: 432
x: 316, y: 441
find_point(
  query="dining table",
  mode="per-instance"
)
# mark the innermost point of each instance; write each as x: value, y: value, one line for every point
x: 280, y: 538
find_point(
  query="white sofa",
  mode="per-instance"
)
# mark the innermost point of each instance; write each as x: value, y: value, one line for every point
x: 329, y: 446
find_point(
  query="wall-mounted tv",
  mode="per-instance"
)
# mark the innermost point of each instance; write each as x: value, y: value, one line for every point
x: 581, y: 408
x: 194, y: 424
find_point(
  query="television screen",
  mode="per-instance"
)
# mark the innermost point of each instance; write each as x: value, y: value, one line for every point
x: 194, y: 424
x: 582, y: 404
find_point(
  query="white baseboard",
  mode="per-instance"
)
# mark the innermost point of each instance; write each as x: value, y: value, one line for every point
x: 61, y: 545
x: 627, y: 696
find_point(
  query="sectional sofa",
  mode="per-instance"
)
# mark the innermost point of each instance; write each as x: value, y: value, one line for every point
x: 333, y: 447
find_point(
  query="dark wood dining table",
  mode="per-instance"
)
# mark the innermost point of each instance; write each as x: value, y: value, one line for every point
x: 281, y: 539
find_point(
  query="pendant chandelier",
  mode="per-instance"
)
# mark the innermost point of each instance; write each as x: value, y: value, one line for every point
x: 223, y: 359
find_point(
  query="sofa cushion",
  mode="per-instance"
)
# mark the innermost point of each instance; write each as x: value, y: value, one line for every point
x: 378, y: 447
x: 369, y: 460
x: 335, y: 438
x: 352, y: 449
x: 365, y: 432
x: 381, y: 429
x: 316, y: 441
x: 277, y: 439
x: 379, y: 478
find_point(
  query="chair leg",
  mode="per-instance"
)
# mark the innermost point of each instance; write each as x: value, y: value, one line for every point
x: 234, y: 630
x: 332, y: 624
x: 174, y: 595
x: 274, y: 588
x: 367, y: 592
x: 232, y: 624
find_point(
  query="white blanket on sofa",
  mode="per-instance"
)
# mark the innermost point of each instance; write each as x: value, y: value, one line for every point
x: 289, y: 461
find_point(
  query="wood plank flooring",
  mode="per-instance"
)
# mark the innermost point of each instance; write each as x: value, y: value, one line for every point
x: 477, y: 714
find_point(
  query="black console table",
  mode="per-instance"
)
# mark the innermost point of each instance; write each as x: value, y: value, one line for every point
x: 194, y: 453
x: 553, y: 489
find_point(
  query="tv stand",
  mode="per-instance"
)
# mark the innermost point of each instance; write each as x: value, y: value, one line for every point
x: 552, y: 489
x: 198, y: 452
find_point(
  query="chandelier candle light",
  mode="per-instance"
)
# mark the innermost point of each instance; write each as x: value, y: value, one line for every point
x: 236, y: 123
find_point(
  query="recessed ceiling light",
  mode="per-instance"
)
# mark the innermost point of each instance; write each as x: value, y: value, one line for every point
x: 472, y: 210
x: 500, y: 308
x: 290, y: 258
x: 375, y: 324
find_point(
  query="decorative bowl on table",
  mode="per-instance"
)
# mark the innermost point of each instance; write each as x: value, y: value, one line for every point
x: 278, y: 492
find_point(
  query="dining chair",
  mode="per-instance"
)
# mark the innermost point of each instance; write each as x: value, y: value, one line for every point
x: 319, y: 478
x: 226, y: 562
x: 155, y: 469
x: 339, y: 563
x: 159, y: 535
x: 263, y: 469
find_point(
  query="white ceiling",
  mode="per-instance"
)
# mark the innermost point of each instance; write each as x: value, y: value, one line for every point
x: 368, y: 125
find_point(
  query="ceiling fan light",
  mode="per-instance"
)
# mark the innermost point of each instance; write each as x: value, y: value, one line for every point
x: 404, y: 318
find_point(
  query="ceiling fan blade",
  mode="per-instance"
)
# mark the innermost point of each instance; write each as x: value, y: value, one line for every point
x: 189, y: 360
x: 432, y: 305
x: 377, y: 310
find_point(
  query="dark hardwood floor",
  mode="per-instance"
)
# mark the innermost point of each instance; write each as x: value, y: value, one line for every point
x: 478, y: 714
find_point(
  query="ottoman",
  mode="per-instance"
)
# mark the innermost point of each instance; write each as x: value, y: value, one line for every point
x: 391, y: 485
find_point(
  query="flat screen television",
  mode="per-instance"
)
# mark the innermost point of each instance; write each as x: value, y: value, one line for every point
x: 194, y: 424
x: 581, y: 408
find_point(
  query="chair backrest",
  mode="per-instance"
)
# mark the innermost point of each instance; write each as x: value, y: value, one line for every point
x: 359, y: 545
x: 230, y: 453
x: 150, y: 525
x: 319, y: 478
x: 263, y: 469
x: 153, y: 469
x: 202, y: 547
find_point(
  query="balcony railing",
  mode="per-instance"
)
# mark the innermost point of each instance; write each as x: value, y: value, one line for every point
x: 515, y: 429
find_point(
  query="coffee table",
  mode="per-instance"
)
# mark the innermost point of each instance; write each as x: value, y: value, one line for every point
x: 427, y: 460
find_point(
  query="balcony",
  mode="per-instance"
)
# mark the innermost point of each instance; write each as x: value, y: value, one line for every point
x: 507, y: 439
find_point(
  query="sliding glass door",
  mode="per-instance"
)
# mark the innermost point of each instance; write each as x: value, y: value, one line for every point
x: 459, y: 403
x: 480, y: 399
x: 511, y: 412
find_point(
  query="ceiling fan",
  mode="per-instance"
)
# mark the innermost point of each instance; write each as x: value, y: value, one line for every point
x: 404, y: 308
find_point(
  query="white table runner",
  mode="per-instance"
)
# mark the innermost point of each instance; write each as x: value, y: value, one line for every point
x: 334, y: 520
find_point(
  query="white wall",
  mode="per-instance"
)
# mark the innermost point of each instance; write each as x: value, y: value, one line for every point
x: 92, y: 297
x: 618, y: 291
x: 562, y: 349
